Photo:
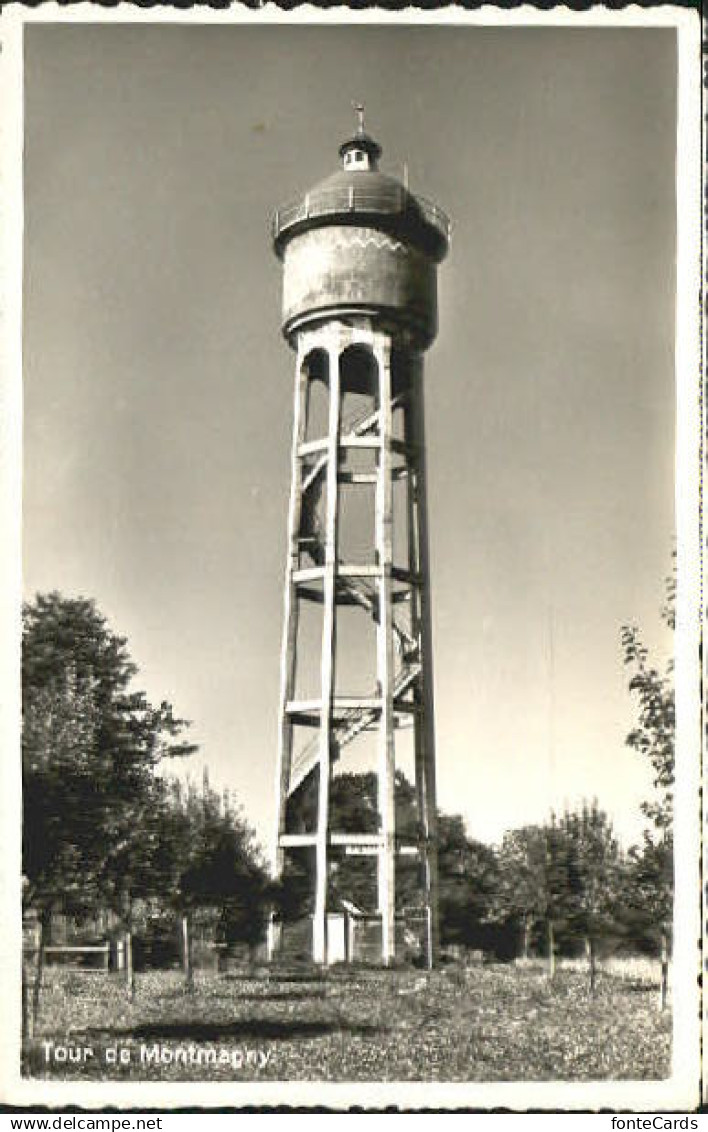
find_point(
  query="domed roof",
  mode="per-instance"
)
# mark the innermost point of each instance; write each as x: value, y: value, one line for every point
x: 377, y: 188
x: 358, y: 193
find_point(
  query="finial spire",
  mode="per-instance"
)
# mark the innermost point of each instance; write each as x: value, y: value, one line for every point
x: 359, y: 109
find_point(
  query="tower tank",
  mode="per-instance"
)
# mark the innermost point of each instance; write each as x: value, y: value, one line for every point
x: 359, y: 255
x: 360, y: 245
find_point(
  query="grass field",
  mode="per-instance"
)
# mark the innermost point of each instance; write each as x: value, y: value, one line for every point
x: 488, y: 1023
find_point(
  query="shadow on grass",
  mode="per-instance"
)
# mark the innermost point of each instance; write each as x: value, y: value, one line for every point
x: 289, y: 977
x: 255, y: 1028
x: 284, y: 996
x: 314, y: 979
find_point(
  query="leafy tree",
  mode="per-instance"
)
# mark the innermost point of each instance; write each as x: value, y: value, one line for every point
x: 90, y: 744
x: 654, y: 737
x: 646, y: 911
x: 521, y: 894
x: 468, y: 879
x: 594, y: 876
x: 209, y: 864
x: 534, y: 888
x: 556, y: 887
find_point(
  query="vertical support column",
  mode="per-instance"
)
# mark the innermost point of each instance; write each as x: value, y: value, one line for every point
x: 385, y: 660
x: 422, y: 630
x: 319, y: 927
x: 427, y: 661
x: 414, y: 568
x: 290, y: 624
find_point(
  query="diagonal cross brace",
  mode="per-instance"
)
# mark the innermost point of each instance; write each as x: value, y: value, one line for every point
x: 354, y: 722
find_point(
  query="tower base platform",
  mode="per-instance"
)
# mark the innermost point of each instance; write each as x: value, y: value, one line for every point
x: 353, y: 936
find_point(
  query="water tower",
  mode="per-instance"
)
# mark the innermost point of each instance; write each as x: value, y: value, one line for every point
x: 360, y: 255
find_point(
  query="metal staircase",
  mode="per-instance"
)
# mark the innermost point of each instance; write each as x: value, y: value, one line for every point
x: 361, y: 591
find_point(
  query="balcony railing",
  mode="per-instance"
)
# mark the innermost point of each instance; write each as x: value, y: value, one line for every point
x: 390, y: 200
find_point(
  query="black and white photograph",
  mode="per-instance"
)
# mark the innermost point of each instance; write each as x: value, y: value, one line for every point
x: 350, y: 485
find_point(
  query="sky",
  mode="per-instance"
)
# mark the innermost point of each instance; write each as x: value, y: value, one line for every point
x: 157, y: 385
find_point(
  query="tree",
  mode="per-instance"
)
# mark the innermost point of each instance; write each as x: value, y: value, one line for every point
x: 655, y: 733
x: 647, y: 898
x: 654, y: 737
x: 533, y: 885
x: 210, y: 865
x: 90, y: 744
x: 521, y: 894
x: 468, y: 879
x: 594, y: 873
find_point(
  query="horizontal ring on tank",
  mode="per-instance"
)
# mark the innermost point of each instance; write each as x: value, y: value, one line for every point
x: 409, y: 331
x: 394, y: 209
